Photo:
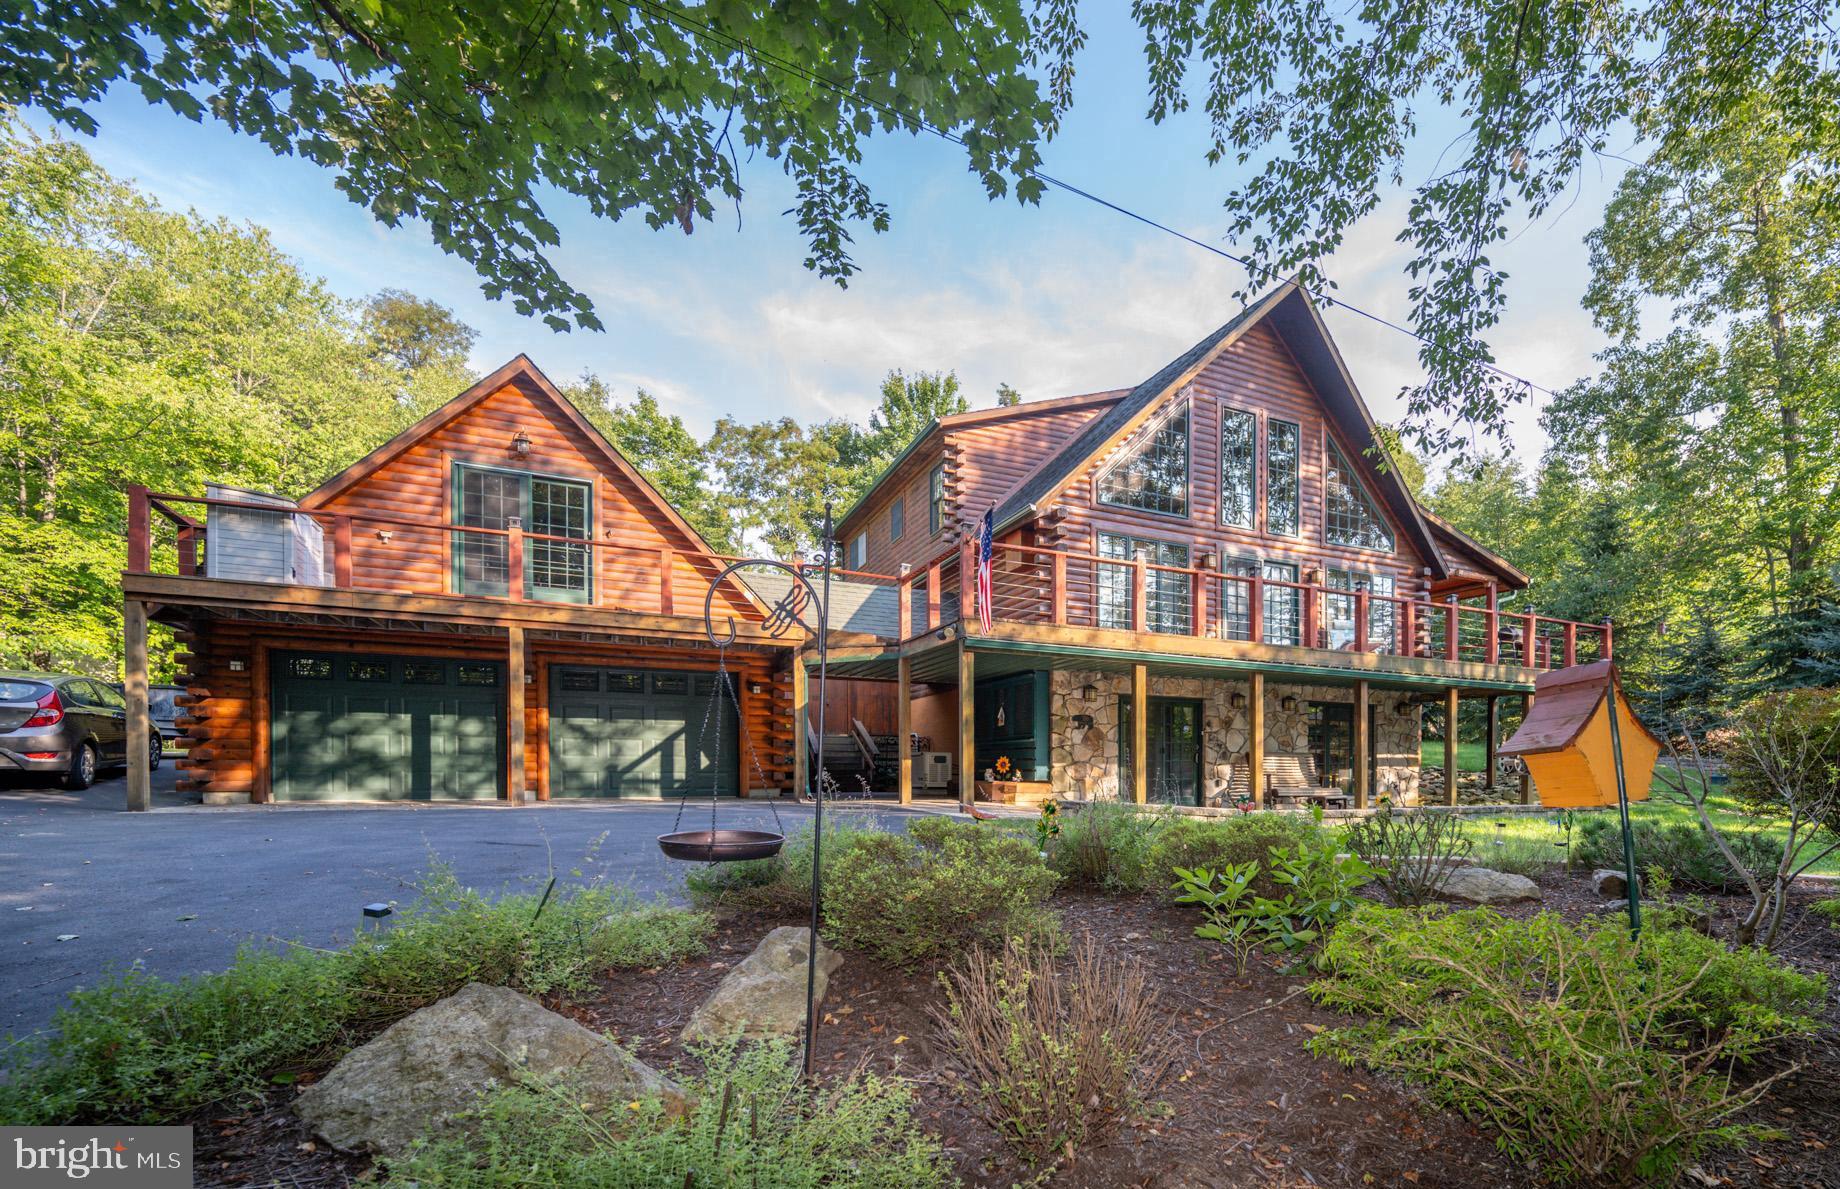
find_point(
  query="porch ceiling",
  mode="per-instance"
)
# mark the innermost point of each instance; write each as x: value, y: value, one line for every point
x: 938, y: 664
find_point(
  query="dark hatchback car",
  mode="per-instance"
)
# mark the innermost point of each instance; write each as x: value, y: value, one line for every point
x: 66, y: 726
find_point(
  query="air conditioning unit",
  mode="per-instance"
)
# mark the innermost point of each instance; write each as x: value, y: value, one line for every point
x: 933, y: 770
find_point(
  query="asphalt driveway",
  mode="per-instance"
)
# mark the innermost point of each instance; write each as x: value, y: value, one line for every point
x: 179, y: 889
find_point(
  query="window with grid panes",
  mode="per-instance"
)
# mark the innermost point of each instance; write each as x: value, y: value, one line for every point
x: 1349, y: 517
x: 1283, y: 607
x: 1153, y: 475
x: 1239, y: 462
x: 936, y: 498
x: 1168, y: 599
x: 1283, y: 440
x: 555, y: 571
x: 1339, y: 610
x: 1236, y: 598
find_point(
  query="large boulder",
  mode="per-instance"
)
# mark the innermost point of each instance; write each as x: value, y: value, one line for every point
x: 1483, y: 885
x: 764, y: 995
x: 423, y: 1074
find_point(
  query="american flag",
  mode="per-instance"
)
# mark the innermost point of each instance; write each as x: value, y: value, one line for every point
x: 983, y: 574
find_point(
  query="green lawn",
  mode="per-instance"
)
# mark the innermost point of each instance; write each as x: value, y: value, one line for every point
x: 1469, y: 755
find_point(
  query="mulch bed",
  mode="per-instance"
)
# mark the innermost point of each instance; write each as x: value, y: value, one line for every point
x: 1245, y: 1103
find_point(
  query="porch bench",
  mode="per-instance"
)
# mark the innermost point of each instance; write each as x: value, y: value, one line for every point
x: 1289, y: 781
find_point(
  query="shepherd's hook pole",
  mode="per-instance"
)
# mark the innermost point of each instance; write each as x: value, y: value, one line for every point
x: 1622, y: 805
x: 828, y: 545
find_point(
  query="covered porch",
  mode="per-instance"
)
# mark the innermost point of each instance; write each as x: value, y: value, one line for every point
x: 1099, y: 724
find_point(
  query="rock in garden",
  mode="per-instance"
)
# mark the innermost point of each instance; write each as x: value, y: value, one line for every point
x: 765, y: 994
x: 1481, y: 885
x: 423, y: 1074
x: 1609, y: 884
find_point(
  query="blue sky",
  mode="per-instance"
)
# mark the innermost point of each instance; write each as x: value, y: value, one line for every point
x: 1061, y: 298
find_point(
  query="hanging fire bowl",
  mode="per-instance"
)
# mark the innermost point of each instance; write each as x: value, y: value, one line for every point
x: 720, y: 846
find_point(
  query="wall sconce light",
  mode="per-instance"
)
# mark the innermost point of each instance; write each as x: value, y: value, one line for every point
x: 1210, y: 561
x: 1288, y: 704
x: 754, y: 687
x: 1237, y: 701
x: 520, y: 444
x: 236, y: 666
x: 1404, y: 709
x: 1089, y: 691
x: 384, y: 534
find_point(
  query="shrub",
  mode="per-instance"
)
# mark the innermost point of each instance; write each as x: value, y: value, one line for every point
x: 137, y: 1048
x: 781, y: 884
x: 1052, y: 1057
x: 1227, y: 902
x: 755, y: 1122
x: 1682, y: 849
x: 1220, y: 843
x: 1107, y: 845
x: 1601, y: 1058
x: 1518, y: 855
x: 1410, y: 850
x: 1828, y: 910
x: 944, y: 886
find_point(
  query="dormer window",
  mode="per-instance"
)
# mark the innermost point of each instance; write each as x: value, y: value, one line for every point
x: 1153, y: 475
x: 1349, y: 516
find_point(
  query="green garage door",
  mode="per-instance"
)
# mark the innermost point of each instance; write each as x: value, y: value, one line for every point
x: 386, y: 728
x: 638, y: 733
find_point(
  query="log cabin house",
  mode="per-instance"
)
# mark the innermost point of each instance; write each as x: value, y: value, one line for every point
x: 1205, y: 589
x: 494, y: 604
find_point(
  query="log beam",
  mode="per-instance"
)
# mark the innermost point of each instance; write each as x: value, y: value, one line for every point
x: 134, y: 687
x: 1140, y: 733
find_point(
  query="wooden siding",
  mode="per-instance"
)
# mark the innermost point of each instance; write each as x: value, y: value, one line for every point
x: 985, y: 458
x: 225, y: 721
x: 1255, y: 374
x: 418, y: 484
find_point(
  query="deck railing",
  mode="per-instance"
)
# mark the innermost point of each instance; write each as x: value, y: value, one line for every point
x: 407, y: 555
x: 1034, y: 585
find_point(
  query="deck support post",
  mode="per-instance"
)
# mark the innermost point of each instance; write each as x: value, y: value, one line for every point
x: 1450, y: 746
x: 904, y: 727
x: 801, y: 726
x: 1526, y: 773
x: 1493, y: 742
x: 134, y: 687
x: 515, y: 792
x: 1140, y: 733
x: 1255, y: 738
x: 967, y: 725
x: 1363, y: 746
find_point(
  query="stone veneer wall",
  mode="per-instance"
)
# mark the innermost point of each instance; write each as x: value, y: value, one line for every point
x: 1086, y: 759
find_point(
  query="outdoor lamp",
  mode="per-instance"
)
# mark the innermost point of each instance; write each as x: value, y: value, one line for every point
x: 1289, y: 703
x: 520, y: 444
x: 1237, y: 701
x: 1089, y: 691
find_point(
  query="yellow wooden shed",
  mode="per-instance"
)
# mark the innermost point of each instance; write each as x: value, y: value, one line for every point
x: 1565, y: 739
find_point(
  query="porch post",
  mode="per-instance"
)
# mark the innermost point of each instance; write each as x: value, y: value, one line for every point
x: 967, y: 725
x: 1362, y: 745
x: 801, y: 726
x: 514, y: 715
x: 1255, y: 743
x: 1140, y: 733
x: 134, y: 686
x: 1493, y: 741
x: 1450, y: 746
x: 1526, y: 773
x: 904, y: 726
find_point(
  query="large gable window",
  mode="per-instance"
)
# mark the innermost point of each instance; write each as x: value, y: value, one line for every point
x: 1282, y: 442
x: 1239, y: 433
x: 1349, y: 517
x: 1153, y: 475
x: 556, y: 571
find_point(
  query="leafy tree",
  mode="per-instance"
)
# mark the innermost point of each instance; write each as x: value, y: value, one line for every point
x: 908, y: 405
x: 663, y: 449
x: 466, y: 115
x: 776, y: 477
x: 1007, y: 397
x: 414, y: 333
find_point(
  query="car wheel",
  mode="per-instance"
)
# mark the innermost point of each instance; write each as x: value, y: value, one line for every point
x: 82, y: 772
x: 156, y: 752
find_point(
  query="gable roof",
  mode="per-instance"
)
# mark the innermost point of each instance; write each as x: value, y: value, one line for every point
x: 1293, y: 316
x: 969, y: 419
x: 527, y: 378
x: 1512, y: 576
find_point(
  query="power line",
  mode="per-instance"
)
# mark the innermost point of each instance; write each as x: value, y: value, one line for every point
x: 695, y: 27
